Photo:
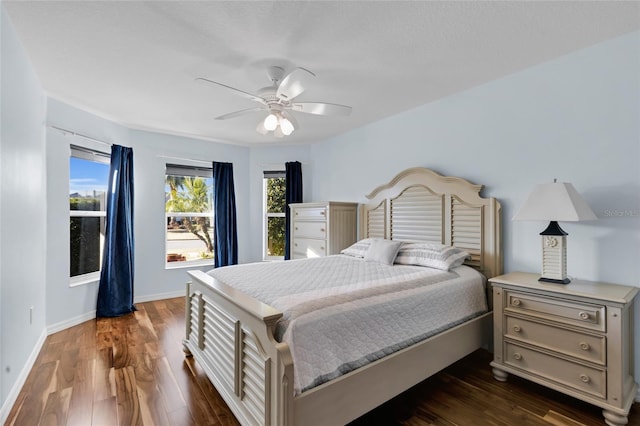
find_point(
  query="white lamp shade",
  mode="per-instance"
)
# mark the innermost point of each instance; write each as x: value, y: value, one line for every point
x: 558, y: 201
x: 286, y: 126
x: 261, y: 129
x: 271, y: 122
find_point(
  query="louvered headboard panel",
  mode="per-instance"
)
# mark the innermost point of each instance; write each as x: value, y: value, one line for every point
x: 417, y: 215
x: 419, y: 205
x: 376, y: 220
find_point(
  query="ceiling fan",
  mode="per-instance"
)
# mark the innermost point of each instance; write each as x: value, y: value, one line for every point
x: 278, y: 99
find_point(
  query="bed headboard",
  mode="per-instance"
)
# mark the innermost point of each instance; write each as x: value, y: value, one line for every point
x: 419, y: 205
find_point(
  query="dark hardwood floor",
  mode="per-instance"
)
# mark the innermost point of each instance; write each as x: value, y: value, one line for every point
x: 132, y: 371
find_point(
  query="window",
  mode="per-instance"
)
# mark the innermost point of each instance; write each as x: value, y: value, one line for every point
x: 88, y: 182
x: 189, y: 215
x: 274, y: 210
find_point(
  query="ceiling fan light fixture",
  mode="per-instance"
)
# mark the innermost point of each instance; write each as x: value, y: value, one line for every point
x: 271, y: 122
x: 261, y: 129
x: 286, y: 126
x: 278, y: 99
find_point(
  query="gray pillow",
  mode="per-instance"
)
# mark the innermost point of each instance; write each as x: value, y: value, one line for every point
x: 382, y: 251
x: 358, y: 249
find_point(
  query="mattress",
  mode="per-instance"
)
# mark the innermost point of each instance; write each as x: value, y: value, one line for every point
x: 341, y: 313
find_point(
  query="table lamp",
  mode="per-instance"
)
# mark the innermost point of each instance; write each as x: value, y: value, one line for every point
x: 555, y: 202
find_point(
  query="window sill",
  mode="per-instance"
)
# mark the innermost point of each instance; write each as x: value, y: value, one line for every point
x: 189, y: 265
x: 93, y: 278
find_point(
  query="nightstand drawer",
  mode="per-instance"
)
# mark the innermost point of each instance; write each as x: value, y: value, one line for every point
x: 567, y: 312
x: 563, y: 372
x: 573, y: 343
x: 311, y: 213
x: 310, y: 229
x: 303, y: 248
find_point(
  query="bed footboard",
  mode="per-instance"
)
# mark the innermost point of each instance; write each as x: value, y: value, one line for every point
x: 231, y: 336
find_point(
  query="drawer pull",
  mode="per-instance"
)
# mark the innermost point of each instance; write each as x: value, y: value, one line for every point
x: 321, y: 229
x: 584, y: 346
x: 296, y: 228
x: 583, y: 316
x: 296, y: 213
x: 515, y: 302
x: 323, y: 213
x: 517, y: 328
x: 517, y: 356
x: 322, y: 248
x: 295, y: 244
x: 585, y: 378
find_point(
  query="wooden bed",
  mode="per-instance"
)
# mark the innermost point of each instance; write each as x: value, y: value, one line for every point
x: 231, y: 334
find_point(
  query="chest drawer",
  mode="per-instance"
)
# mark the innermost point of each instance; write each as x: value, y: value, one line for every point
x: 310, y: 229
x: 310, y: 213
x: 563, y: 372
x: 573, y: 343
x: 567, y: 312
x: 306, y: 248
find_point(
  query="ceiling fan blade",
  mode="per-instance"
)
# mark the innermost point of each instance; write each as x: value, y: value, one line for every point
x: 293, y: 84
x: 207, y: 82
x: 239, y: 113
x: 321, y: 108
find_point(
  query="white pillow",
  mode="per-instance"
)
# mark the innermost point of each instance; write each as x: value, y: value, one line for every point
x: 382, y: 251
x: 358, y: 249
x: 432, y: 255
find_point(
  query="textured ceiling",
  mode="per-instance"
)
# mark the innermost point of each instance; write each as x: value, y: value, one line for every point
x: 135, y: 62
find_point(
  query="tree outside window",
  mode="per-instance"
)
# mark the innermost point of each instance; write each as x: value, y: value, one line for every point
x: 189, y: 214
x: 274, y: 213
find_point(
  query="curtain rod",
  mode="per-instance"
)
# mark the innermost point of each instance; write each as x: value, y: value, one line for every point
x: 186, y: 159
x: 72, y: 133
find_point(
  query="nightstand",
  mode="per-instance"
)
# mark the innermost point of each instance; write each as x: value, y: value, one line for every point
x: 575, y: 338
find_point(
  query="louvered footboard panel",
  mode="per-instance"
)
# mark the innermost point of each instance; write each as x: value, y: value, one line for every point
x: 256, y: 375
x: 232, y: 357
x: 219, y: 343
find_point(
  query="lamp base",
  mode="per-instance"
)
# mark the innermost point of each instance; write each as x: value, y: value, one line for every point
x: 551, y: 280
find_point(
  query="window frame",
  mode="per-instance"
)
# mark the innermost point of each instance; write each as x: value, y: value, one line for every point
x: 187, y: 170
x: 266, y: 215
x: 87, y: 154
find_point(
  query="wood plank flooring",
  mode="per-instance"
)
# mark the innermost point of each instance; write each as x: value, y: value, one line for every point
x: 131, y: 371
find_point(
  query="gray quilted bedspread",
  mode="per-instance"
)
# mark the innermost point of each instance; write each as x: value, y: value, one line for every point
x: 341, y: 312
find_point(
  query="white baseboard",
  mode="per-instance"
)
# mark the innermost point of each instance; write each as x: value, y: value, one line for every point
x: 159, y: 296
x: 63, y: 325
x: 22, y: 378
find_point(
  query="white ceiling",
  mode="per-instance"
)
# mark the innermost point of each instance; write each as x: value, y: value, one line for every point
x: 135, y: 62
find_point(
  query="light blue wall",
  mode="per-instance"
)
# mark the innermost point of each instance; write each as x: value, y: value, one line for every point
x: 23, y: 213
x: 576, y: 118
x: 69, y: 305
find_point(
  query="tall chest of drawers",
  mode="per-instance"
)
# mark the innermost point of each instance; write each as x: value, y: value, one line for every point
x: 575, y: 338
x: 322, y: 229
